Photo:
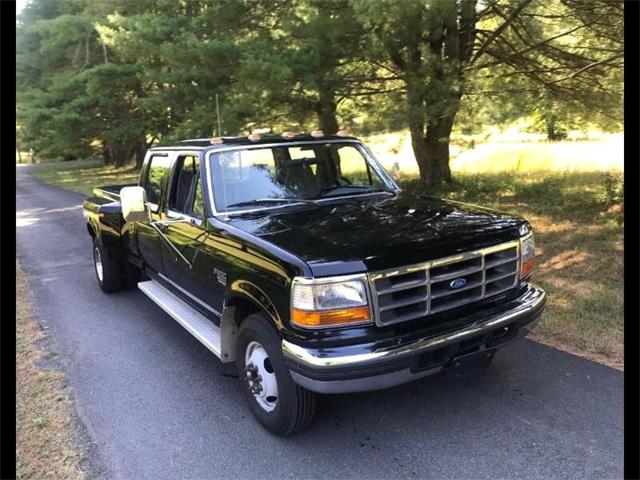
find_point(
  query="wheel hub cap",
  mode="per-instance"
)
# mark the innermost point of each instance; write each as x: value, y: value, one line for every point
x: 261, y: 377
x: 98, y: 262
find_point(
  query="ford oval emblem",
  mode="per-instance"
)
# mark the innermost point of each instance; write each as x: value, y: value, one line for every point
x: 458, y: 283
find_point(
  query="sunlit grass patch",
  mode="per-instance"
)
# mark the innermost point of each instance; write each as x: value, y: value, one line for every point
x: 580, y: 156
x: 506, y: 153
x: 579, y: 249
x: 82, y: 176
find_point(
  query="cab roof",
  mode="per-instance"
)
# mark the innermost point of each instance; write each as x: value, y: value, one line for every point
x: 222, y: 142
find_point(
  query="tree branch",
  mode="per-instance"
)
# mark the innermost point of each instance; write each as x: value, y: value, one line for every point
x: 587, y: 67
x: 499, y: 30
x: 530, y: 48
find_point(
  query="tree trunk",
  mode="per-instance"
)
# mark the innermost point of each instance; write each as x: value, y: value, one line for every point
x: 328, y: 122
x: 432, y: 150
x: 107, y: 155
x: 437, y: 141
x: 326, y: 110
x: 140, y: 151
x: 425, y: 150
x: 419, y: 145
x: 121, y: 155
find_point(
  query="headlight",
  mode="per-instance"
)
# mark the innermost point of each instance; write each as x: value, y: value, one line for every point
x: 527, y: 255
x: 329, y: 302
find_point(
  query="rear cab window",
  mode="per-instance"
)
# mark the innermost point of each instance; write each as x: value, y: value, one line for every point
x: 185, y: 195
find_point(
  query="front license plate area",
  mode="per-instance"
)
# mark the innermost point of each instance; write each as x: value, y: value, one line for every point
x: 466, y: 364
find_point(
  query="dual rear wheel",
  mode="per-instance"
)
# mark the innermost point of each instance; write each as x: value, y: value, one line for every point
x: 112, y: 274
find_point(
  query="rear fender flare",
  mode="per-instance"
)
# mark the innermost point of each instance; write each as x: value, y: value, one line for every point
x: 91, y: 229
x: 111, y: 242
x: 93, y: 226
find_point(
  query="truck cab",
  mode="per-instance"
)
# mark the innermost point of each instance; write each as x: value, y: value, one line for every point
x: 299, y: 260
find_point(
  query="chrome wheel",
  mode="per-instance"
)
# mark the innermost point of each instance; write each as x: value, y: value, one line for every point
x: 97, y: 260
x: 261, y: 376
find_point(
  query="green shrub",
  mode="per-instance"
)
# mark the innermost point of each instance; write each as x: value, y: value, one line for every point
x: 613, y: 189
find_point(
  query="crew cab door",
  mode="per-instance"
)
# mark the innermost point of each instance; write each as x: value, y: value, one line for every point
x: 154, y: 179
x: 190, y: 272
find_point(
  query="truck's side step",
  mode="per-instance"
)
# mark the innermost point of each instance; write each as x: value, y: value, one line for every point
x: 197, y: 324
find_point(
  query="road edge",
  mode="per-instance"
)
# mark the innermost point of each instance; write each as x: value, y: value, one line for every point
x: 50, y: 357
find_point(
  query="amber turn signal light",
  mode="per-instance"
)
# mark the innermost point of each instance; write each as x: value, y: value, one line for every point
x: 527, y: 267
x: 323, y: 318
x: 527, y: 255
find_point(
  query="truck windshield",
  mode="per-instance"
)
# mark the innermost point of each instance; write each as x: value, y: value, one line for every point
x: 261, y: 177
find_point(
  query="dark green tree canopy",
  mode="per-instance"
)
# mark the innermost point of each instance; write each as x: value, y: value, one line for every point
x: 111, y: 77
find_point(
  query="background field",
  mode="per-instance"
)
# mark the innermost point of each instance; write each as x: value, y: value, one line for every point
x: 510, y: 152
x: 572, y: 193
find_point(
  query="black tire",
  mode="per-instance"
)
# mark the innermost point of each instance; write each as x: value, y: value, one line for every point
x: 295, y: 406
x: 108, y: 275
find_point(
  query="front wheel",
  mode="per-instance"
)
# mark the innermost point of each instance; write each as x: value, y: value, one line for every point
x: 280, y: 405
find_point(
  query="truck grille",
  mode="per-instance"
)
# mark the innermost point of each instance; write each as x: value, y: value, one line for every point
x: 415, y: 291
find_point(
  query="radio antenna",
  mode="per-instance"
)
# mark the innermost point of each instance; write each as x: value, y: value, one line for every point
x: 218, y: 114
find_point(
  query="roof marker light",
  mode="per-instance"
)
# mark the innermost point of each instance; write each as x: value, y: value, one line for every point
x: 216, y: 140
x: 288, y: 135
x: 254, y: 137
x: 317, y: 134
x: 342, y: 133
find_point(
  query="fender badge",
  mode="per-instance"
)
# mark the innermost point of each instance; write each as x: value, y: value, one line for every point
x: 221, y: 277
x: 458, y: 283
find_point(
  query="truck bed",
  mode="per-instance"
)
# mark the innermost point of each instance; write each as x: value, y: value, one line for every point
x: 112, y: 192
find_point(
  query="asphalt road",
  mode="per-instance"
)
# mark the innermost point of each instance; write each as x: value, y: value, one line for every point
x: 156, y: 404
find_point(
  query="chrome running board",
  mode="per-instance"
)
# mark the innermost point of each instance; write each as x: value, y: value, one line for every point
x: 193, y: 321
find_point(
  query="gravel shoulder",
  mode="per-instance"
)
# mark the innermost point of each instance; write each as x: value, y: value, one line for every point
x: 51, y: 441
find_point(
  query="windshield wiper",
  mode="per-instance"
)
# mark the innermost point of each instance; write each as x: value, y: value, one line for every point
x: 366, y: 188
x: 262, y: 201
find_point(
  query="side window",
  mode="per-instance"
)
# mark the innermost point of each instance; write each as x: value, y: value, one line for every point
x: 185, y: 183
x: 156, y: 172
x: 353, y: 166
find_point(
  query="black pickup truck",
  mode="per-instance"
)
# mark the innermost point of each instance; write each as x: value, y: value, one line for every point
x: 299, y: 259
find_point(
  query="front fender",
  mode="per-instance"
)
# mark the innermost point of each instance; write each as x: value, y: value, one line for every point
x: 248, y: 291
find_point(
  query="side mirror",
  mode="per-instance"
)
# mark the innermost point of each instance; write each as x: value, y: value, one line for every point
x: 133, y: 201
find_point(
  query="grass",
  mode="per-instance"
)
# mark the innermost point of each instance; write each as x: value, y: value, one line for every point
x: 571, y: 192
x: 578, y: 221
x: 83, y: 175
x: 507, y: 152
x: 45, y: 444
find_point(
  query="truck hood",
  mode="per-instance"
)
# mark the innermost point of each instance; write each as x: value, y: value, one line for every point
x: 378, y: 231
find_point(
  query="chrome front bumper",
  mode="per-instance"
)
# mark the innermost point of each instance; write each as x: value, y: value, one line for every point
x: 365, y: 367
